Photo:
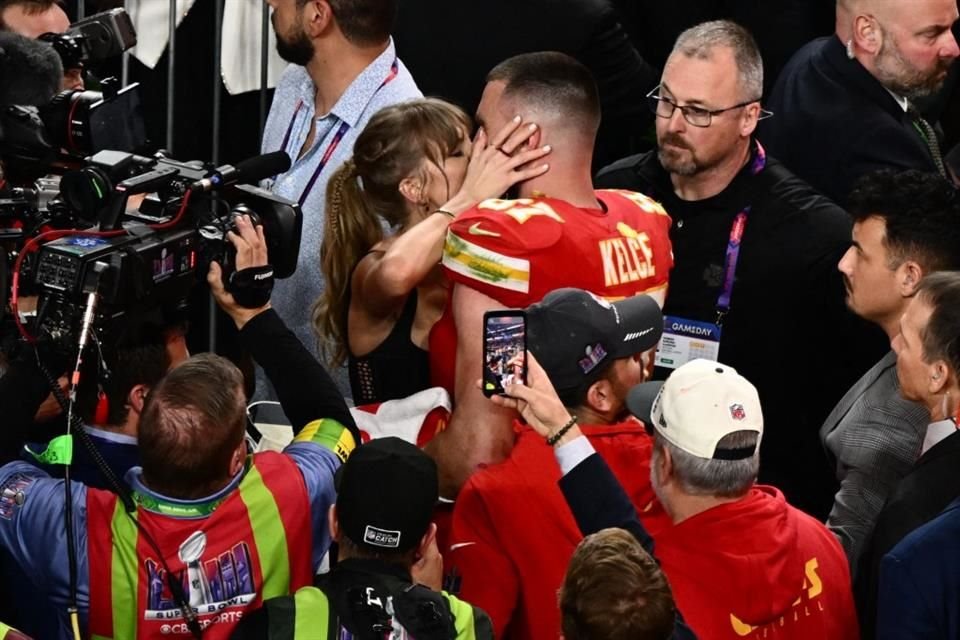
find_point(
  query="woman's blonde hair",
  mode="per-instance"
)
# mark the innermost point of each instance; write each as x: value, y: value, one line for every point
x: 393, y: 146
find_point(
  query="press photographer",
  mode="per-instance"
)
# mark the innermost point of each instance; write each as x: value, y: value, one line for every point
x: 199, y: 497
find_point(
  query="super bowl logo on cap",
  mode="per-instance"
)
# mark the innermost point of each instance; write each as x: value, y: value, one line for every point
x: 737, y: 412
x: 595, y: 354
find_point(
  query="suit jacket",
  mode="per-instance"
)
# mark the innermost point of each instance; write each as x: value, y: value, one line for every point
x: 929, y: 487
x: 834, y: 122
x: 920, y: 582
x: 873, y: 438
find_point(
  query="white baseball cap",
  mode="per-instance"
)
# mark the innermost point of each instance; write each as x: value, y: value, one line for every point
x: 700, y: 403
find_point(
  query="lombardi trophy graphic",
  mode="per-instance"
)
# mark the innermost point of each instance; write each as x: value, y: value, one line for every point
x: 190, y: 553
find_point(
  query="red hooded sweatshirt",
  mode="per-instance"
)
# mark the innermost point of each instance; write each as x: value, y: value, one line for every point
x: 513, y: 533
x: 758, y: 568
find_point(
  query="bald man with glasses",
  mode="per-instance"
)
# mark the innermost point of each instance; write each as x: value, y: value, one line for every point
x: 755, y: 283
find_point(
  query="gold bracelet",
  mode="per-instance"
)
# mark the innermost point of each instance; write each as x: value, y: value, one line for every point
x: 562, y: 431
x: 446, y: 213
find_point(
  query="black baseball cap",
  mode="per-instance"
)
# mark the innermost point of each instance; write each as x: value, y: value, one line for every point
x: 573, y: 332
x: 386, y: 493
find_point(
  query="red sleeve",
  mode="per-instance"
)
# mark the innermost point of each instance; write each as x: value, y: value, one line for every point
x: 488, y: 578
x: 494, y: 246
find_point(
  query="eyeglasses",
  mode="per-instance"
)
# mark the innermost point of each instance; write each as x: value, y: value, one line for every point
x: 664, y: 107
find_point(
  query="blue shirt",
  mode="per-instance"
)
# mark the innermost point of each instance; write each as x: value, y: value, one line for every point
x: 32, y: 531
x: 293, y: 110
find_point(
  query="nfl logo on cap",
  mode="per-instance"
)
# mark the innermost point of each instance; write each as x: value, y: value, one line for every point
x: 737, y: 412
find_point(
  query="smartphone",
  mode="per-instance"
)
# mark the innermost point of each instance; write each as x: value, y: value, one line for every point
x: 504, y: 350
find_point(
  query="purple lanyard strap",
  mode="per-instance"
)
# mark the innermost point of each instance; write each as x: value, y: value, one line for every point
x: 733, y: 244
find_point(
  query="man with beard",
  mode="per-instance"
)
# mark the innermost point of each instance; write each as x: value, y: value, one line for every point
x: 344, y: 68
x: 755, y: 282
x: 845, y: 103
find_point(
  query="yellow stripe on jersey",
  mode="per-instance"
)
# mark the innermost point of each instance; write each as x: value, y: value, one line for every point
x: 476, y: 262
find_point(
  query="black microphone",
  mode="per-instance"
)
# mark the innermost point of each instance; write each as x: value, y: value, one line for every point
x: 30, y: 71
x: 250, y: 170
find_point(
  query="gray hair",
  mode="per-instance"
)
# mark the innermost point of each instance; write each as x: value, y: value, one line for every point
x: 711, y: 477
x: 701, y: 40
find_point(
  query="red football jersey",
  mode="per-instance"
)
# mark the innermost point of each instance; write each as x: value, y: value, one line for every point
x: 518, y: 251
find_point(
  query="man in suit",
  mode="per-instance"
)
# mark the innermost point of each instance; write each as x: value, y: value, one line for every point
x: 920, y: 577
x: 844, y: 103
x: 906, y: 225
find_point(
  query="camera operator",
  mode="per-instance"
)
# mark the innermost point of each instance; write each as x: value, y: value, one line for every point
x: 33, y: 18
x: 199, y: 499
x: 125, y: 369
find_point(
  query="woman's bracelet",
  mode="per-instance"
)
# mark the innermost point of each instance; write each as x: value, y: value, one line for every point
x: 562, y: 431
x: 446, y: 213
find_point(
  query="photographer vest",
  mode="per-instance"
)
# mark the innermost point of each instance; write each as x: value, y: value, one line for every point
x: 366, y: 600
x: 229, y: 554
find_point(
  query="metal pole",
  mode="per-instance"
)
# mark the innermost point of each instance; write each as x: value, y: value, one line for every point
x: 264, y: 61
x: 171, y: 43
x: 81, y: 9
x: 125, y: 59
x: 215, y: 150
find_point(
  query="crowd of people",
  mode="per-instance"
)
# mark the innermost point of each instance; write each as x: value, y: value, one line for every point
x: 734, y: 413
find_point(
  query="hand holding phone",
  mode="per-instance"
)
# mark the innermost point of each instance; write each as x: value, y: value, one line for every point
x: 504, y: 350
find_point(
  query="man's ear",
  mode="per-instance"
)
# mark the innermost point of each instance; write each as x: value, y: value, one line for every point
x: 317, y: 18
x: 867, y: 34
x: 910, y: 274
x: 137, y: 398
x: 666, y: 466
x: 600, y: 396
x: 748, y: 123
x: 939, y: 376
x: 334, y: 523
x: 239, y: 458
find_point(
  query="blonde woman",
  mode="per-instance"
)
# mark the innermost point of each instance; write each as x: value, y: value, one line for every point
x: 414, y: 168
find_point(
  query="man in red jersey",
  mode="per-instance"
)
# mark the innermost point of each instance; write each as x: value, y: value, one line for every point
x: 513, y: 534
x: 511, y: 253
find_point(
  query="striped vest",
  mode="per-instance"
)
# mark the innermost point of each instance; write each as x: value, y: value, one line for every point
x: 229, y: 556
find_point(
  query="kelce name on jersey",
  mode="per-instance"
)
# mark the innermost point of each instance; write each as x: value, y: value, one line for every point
x: 626, y: 259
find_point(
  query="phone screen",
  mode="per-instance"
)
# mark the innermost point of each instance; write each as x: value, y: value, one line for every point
x: 504, y: 350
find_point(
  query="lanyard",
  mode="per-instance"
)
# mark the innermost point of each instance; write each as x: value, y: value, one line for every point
x: 337, y: 136
x: 732, y: 256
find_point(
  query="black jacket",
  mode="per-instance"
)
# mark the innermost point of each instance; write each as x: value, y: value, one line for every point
x: 932, y: 484
x: 834, y: 122
x: 788, y: 330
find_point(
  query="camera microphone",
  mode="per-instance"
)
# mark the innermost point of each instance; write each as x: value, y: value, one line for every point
x: 251, y: 170
x: 30, y: 71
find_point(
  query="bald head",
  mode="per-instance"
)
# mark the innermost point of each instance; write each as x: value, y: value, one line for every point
x: 907, y: 46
